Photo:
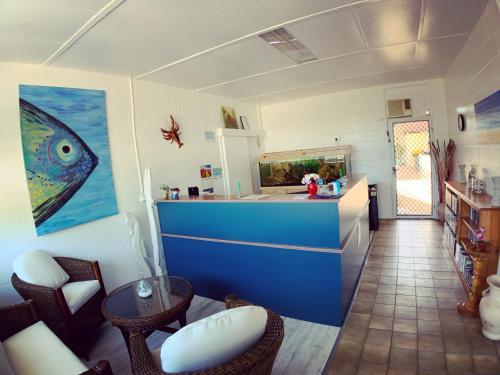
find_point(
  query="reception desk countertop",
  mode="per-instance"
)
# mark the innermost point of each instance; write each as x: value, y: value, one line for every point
x: 353, y: 180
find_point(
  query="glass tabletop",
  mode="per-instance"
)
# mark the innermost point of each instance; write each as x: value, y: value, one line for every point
x: 168, y: 292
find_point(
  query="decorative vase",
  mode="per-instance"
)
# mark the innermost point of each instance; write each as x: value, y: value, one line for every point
x: 312, y: 188
x: 489, y: 308
x: 144, y: 288
x: 471, y: 177
x: 495, y: 200
x: 461, y: 173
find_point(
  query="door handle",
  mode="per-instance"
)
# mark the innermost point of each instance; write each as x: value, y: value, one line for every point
x: 394, y: 169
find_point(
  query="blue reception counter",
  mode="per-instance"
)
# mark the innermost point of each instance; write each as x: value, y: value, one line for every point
x: 301, y: 258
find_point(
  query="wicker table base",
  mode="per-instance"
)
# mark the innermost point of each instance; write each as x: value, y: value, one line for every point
x: 132, y: 314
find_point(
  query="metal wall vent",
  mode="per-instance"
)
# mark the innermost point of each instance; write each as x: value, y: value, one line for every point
x: 286, y: 43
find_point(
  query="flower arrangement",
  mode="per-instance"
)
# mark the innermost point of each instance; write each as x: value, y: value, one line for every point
x: 480, y: 234
x: 310, y: 178
x: 164, y: 187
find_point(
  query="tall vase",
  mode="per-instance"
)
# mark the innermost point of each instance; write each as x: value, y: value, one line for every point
x: 495, y: 201
x: 471, y: 177
x: 312, y: 188
x: 489, y: 308
x: 461, y: 173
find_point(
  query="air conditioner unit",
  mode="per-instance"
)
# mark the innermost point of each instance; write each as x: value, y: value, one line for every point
x: 399, y: 108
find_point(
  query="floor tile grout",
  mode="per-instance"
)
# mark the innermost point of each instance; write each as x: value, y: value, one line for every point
x: 403, y: 318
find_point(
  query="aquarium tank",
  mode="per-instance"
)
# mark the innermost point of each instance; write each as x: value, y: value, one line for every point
x: 290, y: 172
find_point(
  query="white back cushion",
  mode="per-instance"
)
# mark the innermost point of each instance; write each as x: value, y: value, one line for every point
x: 37, y: 267
x: 214, y: 340
x: 5, y: 368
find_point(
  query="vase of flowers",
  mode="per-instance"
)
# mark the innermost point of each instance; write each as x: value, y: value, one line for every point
x: 310, y: 180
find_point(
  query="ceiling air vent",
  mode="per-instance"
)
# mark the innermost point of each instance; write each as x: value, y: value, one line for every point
x: 286, y: 43
x: 399, y: 108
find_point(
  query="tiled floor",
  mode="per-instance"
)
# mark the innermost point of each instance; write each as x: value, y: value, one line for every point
x: 404, y: 319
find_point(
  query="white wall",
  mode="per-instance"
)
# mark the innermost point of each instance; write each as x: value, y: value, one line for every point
x: 195, y: 114
x: 105, y: 240
x: 356, y: 117
x: 474, y: 75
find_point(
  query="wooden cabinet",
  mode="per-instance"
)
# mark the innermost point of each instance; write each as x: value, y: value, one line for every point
x: 465, y: 213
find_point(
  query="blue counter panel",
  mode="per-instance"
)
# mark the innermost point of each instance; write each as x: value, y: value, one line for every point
x: 299, y: 284
x: 353, y: 258
x: 295, y: 223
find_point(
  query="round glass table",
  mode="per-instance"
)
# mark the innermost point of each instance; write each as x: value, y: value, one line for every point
x: 169, y: 301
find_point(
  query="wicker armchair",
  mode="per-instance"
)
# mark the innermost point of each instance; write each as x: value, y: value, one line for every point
x: 76, y: 330
x: 257, y: 361
x: 15, y: 318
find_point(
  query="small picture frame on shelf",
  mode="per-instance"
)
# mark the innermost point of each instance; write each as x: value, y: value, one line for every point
x: 244, y: 123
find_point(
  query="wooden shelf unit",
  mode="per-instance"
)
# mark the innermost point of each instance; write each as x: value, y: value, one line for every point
x: 472, y: 211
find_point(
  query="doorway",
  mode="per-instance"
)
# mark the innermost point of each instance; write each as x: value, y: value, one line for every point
x: 412, y: 169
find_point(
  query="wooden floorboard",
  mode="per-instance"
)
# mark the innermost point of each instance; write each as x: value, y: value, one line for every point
x: 305, y: 349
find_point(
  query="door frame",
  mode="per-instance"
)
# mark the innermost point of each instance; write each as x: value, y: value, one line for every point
x: 390, y: 125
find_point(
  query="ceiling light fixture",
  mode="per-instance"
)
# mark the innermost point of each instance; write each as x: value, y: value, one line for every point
x: 286, y: 43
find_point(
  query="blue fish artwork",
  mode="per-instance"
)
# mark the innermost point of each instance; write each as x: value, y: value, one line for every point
x: 66, y: 156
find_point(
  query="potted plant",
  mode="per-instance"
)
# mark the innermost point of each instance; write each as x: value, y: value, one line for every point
x: 310, y: 179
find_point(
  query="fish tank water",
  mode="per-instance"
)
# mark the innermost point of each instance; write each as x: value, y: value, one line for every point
x: 290, y: 172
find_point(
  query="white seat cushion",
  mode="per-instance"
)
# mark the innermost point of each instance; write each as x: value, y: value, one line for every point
x: 214, y: 340
x: 78, y: 293
x: 36, y: 350
x: 5, y: 368
x: 37, y: 267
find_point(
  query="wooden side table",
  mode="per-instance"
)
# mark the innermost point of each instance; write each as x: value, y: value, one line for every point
x: 483, y: 256
x: 130, y: 313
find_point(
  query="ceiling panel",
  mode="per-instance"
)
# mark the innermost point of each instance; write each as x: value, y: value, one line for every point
x: 390, y: 22
x: 110, y: 63
x: 356, y: 64
x: 450, y: 17
x: 395, y: 57
x: 301, y: 75
x: 330, y: 35
x: 286, y: 10
x: 249, y: 57
x: 251, y: 15
x: 41, y: 19
x: 93, y: 5
x: 377, y: 79
x: 129, y: 46
x: 250, y: 87
x: 191, y: 26
x: 442, y: 50
x: 25, y: 50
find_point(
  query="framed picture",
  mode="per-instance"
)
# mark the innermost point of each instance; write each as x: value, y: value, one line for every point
x: 244, y: 123
x: 229, y: 117
x: 65, y: 143
x: 488, y: 112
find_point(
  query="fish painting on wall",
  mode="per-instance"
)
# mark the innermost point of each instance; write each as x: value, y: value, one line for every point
x: 66, y: 156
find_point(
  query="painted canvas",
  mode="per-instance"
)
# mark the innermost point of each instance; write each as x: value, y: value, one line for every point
x: 66, y: 156
x: 229, y: 117
x: 488, y: 112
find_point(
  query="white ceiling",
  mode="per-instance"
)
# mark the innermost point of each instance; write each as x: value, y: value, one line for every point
x: 213, y: 46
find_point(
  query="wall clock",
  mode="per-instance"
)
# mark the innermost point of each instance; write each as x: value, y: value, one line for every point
x: 461, y: 122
